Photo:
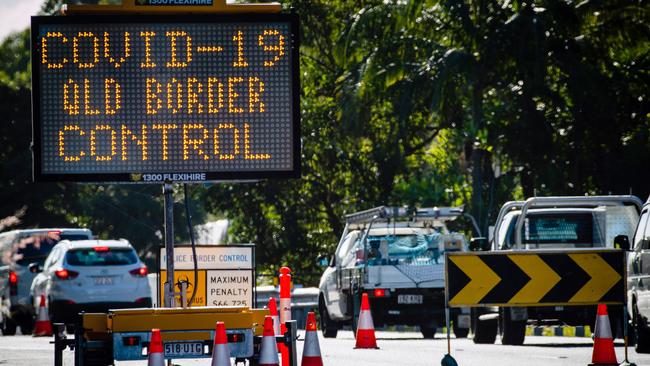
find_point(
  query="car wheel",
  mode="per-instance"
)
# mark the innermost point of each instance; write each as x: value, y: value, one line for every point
x: 642, y: 333
x: 513, y: 332
x: 428, y: 332
x: 460, y: 332
x: 485, y: 331
x: 329, y: 327
x: 27, y: 326
x: 9, y: 327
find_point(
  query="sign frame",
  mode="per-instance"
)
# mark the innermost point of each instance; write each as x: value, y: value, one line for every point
x: 540, y: 270
x: 127, y: 177
x: 253, y: 270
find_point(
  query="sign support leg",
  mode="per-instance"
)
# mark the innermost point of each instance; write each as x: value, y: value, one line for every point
x: 168, y: 195
x: 625, y: 337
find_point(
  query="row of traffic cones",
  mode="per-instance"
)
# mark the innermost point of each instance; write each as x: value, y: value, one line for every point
x: 269, y: 349
x: 603, y: 352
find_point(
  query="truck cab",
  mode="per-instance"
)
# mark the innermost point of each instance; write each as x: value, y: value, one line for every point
x: 560, y: 223
x: 396, y: 256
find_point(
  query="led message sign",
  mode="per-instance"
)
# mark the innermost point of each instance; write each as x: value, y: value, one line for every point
x: 149, y: 99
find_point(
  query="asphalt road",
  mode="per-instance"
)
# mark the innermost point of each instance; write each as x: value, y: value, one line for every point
x: 395, y: 349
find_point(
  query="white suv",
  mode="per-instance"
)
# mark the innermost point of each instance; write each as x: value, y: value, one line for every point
x: 91, y: 276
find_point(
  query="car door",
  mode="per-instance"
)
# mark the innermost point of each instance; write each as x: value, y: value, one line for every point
x: 41, y: 281
x: 336, y: 305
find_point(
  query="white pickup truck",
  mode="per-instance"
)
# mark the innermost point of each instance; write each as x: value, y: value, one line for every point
x: 558, y: 223
x: 395, y: 255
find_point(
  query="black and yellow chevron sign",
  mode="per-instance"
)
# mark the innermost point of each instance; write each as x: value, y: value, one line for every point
x: 535, y: 278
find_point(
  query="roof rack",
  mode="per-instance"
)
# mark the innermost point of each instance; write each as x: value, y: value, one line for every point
x: 387, y: 213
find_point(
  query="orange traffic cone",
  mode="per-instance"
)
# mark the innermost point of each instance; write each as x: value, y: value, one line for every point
x: 43, y: 327
x: 156, y: 356
x: 269, y: 347
x: 311, y: 351
x: 273, y: 310
x: 365, y: 327
x: 221, y: 351
x: 603, y: 341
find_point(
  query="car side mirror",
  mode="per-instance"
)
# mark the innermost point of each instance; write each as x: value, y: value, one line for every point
x: 35, y: 268
x: 479, y: 244
x: 622, y: 242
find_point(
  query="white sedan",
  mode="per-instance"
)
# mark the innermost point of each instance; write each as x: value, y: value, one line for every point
x: 90, y: 276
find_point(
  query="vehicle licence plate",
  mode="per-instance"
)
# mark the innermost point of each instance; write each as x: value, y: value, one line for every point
x: 177, y: 349
x: 409, y: 299
x: 103, y: 281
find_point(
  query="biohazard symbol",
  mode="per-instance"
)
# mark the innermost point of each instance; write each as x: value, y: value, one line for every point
x: 185, y: 279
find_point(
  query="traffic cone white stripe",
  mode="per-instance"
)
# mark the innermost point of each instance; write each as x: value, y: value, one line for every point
x: 156, y: 359
x: 365, y: 320
x: 42, y: 316
x: 269, y: 352
x: 221, y: 355
x: 311, y: 348
x: 604, y: 329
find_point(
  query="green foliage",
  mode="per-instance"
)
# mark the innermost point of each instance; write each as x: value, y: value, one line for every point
x: 421, y: 102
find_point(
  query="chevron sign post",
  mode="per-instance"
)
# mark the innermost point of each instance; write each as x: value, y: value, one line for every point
x: 535, y: 278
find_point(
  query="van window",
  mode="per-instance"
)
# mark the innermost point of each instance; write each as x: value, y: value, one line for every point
x: 37, y: 249
x: 103, y: 257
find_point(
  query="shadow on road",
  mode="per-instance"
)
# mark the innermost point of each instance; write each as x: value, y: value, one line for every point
x: 564, y: 345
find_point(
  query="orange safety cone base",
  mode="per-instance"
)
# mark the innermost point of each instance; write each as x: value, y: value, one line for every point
x: 42, y: 326
x: 365, y: 327
x: 311, y: 355
x: 220, y: 350
x: 156, y: 356
x: 603, y: 353
x: 269, y: 347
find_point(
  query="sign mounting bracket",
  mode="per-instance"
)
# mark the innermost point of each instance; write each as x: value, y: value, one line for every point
x: 172, y: 7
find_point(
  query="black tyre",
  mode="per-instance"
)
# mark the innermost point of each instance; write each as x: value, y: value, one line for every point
x: 428, y: 332
x: 329, y: 327
x: 642, y: 333
x: 27, y: 326
x: 9, y: 327
x: 485, y: 331
x: 69, y: 328
x: 460, y: 332
x: 512, y: 332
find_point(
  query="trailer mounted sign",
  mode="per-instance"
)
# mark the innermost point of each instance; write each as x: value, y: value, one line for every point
x: 535, y: 278
x: 155, y: 98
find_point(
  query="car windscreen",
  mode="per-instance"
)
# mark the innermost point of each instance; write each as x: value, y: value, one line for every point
x: 36, y: 248
x: 101, y: 257
x: 558, y: 228
x: 404, y: 249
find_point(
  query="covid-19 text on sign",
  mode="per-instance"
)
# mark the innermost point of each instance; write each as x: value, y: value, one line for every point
x: 165, y: 98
